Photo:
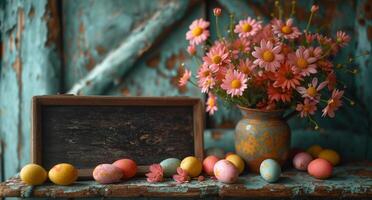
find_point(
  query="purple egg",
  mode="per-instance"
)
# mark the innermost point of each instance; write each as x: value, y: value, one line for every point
x: 302, y: 160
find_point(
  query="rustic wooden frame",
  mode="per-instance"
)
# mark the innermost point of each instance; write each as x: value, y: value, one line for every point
x: 39, y: 101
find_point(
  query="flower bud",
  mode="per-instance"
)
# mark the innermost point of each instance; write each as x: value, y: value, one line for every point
x: 314, y: 8
x: 191, y: 49
x: 217, y: 12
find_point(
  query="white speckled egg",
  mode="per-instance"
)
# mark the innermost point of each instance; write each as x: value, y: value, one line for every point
x: 170, y: 166
x: 270, y: 170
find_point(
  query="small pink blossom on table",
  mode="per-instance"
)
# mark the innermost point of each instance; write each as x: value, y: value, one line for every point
x: 181, y: 176
x: 155, y: 174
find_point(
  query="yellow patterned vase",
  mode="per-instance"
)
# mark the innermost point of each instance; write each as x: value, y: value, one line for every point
x: 260, y: 135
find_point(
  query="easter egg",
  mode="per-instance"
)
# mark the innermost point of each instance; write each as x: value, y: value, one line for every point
x: 314, y: 150
x: 332, y: 156
x: 225, y: 171
x: 270, y: 170
x: 302, y: 160
x: 170, y: 166
x: 107, y: 173
x: 237, y: 161
x: 33, y: 174
x: 63, y: 174
x: 192, y: 166
x: 215, y: 151
x: 320, y: 168
x: 208, y: 164
x: 127, y: 166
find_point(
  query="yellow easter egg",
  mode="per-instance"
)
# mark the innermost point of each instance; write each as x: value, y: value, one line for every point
x: 33, y: 174
x: 192, y: 166
x: 330, y: 155
x: 236, y: 161
x: 314, y: 150
x: 63, y: 174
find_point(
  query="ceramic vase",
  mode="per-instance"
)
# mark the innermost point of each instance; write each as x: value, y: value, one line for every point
x: 260, y: 135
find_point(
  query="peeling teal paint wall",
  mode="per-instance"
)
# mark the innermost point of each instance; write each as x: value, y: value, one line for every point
x: 30, y: 66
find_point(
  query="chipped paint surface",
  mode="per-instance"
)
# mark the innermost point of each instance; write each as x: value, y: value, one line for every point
x: 356, y: 182
x: 29, y: 67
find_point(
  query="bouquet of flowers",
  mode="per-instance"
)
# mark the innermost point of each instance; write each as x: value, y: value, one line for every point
x: 267, y: 66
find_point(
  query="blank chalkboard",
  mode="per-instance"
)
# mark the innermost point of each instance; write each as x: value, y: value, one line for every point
x: 87, y: 131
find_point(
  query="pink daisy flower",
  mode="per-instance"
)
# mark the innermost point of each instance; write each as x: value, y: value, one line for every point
x: 342, y: 38
x: 185, y: 77
x: 265, y: 33
x: 246, y: 66
x: 286, y: 78
x: 312, y: 91
x: 211, y: 103
x: 267, y: 56
x: 286, y: 30
x: 332, y: 80
x: 307, y: 108
x: 234, y: 83
x: 217, y: 57
x: 315, y: 52
x: 240, y: 45
x: 325, y: 65
x: 204, y: 72
x: 198, y: 32
x: 278, y: 94
x: 323, y: 40
x: 206, y: 84
x: 247, y: 28
x: 333, y: 103
x: 302, y: 62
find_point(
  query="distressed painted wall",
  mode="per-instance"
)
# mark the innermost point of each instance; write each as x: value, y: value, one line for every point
x: 30, y: 66
x: 136, y: 47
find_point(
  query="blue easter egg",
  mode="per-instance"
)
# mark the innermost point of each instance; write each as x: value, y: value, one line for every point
x: 170, y: 166
x: 270, y: 170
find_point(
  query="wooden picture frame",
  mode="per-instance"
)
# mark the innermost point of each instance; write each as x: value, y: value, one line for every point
x: 41, y: 104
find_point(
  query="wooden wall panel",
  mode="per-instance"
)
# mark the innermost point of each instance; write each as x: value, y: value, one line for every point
x: 158, y: 71
x: 30, y: 66
x: 92, y: 28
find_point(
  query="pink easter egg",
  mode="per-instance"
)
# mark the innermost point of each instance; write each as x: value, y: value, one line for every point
x: 208, y: 164
x: 320, y: 168
x: 302, y: 160
x: 107, y: 173
x: 225, y: 171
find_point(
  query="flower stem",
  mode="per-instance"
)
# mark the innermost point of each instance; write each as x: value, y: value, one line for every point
x: 231, y: 29
x: 218, y: 29
x: 316, y: 127
x: 308, y: 23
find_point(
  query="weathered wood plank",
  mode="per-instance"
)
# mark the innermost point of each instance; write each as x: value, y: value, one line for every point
x: 30, y: 66
x: 92, y: 28
x: 158, y: 71
x: 356, y: 182
x: 121, y: 59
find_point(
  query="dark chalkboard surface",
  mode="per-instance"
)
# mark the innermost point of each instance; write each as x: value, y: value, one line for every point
x: 87, y: 131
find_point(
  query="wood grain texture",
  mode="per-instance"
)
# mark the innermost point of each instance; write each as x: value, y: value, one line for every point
x: 356, y: 183
x: 87, y: 131
x: 120, y: 60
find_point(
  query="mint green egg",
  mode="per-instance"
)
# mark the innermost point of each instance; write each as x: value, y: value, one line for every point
x: 170, y: 166
x: 270, y: 170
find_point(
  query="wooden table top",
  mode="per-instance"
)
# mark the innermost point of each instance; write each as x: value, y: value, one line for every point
x: 352, y: 180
